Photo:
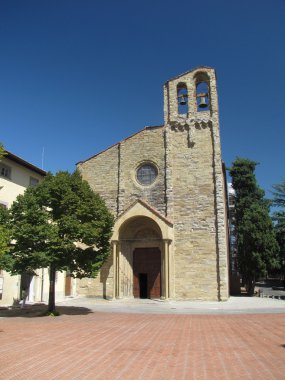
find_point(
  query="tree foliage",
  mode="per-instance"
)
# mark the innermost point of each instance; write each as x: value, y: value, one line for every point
x: 61, y: 224
x: 5, y: 232
x: 280, y: 233
x: 279, y: 216
x: 256, y: 243
x: 5, y: 237
x: 279, y: 195
x: 2, y: 151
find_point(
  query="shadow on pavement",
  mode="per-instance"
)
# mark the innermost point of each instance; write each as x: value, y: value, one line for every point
x: 38, y: 310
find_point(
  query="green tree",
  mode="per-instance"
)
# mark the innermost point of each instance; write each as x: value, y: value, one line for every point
x: 279, y: 195
x: 2, y: 151
x: 5, y: 235
x: 280, y: 236
x: 60, y: 224
x: 4, y: 217
x: 256, y: 243
x: 279, y: 216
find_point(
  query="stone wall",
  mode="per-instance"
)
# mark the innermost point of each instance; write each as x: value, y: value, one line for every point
x: 146, y: 146
x: 195, y: 191
x: 193, y: 214
x: 101, y: 286
x: 112, y: 174
x: 101, y: 171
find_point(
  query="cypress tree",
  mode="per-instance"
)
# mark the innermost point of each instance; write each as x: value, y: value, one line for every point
x: 257, y: 247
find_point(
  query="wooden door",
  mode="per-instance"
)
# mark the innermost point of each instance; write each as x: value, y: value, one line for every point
x: 147, y: 273
x: 67, y: 284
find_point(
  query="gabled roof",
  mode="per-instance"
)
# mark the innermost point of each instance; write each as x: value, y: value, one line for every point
x: 24, y: 163
x: 127, y: 138
x: 190, y: 71
x: 150, y: 208
x: 140, y: 208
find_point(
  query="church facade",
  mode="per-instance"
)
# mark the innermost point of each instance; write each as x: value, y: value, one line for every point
x: 165, y: 186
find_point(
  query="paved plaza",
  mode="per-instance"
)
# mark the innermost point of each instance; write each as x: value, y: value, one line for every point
x: 243, y: 338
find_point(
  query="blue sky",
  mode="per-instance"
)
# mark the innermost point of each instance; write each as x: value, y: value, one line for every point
x: 78, y: 76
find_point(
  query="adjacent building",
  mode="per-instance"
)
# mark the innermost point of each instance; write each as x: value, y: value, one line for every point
x: 16, y: 175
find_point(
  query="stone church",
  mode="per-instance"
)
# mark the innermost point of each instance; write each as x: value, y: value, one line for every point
x: 166, y: 187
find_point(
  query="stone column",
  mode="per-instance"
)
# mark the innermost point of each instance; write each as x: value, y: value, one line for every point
x: 119, y: 263
x: 166, y: 268
x: 170, y: 270
x: 114, y: 244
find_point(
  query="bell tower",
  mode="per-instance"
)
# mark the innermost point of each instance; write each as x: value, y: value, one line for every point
x: 195, y: 191
x: 190, y: 96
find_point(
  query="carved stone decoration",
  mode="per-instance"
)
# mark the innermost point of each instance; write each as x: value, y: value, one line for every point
x: 186, y: 124
x: 203, y: 124
x: 190, y: 125
x: 180, y: 126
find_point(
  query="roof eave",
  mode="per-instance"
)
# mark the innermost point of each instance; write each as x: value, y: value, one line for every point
x: 24, y: 163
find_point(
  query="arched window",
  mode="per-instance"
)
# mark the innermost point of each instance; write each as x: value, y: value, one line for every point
x: 182, y: 98
x: 202, y: 92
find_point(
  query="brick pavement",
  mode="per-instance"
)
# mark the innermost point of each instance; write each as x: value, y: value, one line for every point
x: 111, y: 346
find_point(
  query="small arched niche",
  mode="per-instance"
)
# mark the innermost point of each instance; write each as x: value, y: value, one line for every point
x: 182, y: 99
x: 202, y: 92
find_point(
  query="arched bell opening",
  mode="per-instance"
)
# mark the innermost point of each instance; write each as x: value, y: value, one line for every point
x: 202, y: 92
x: 182, y: 99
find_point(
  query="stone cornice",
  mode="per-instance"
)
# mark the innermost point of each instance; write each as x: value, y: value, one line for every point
x: 186, y: 124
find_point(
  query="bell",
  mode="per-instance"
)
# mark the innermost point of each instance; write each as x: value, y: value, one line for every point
x: 203, y: 103
x: 182, y: 100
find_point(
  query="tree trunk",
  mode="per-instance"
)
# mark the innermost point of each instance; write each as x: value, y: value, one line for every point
x: 250, y: 286
x: 51, y: 299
